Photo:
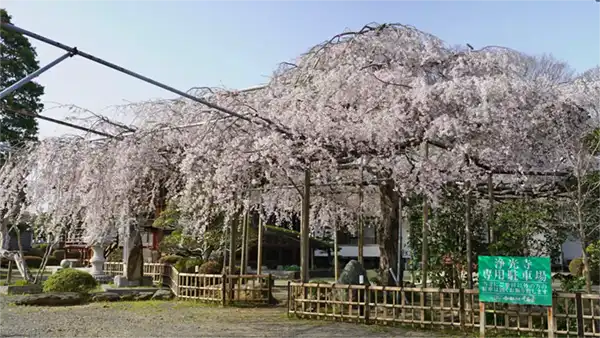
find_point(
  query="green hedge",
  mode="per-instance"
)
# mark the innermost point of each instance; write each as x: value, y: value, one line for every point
x: 70, y: 280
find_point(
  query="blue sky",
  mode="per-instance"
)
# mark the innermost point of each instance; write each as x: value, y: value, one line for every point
x: 238, y: 44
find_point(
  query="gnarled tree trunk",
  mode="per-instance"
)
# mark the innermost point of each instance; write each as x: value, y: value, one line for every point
x: 387, y: 231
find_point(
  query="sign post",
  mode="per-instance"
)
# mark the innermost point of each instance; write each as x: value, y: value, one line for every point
x: 516, y: 280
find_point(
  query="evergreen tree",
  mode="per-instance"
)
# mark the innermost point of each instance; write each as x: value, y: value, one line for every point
x: 17, y: 59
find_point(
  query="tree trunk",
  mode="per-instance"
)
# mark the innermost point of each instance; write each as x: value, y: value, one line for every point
x: 586, y: 259
x: 580, y: 201
x: 135, y: 254
x: 387, y: 231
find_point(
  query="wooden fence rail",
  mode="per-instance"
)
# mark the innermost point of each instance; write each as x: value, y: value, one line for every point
x: 221, y: 289
x: 574, y: 315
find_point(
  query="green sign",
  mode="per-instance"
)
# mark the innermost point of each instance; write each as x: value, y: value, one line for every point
x: 515, y: 280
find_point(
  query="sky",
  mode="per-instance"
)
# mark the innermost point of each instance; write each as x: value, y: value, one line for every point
x: 238, y: 44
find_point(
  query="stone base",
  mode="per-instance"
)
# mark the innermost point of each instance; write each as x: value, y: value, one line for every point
x: 20, y: 289
x: 103, y: 278
x: 125, y: 291
x: 122, y: 282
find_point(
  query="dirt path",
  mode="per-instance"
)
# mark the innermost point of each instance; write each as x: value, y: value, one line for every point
x: 173, y: 319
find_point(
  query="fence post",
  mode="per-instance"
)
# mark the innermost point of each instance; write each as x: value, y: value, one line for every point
x: 269, y: 288
x: 579, y: 313
x: 367, y: 301
x: 481, y: 319
x: 461, y: 307
x: 224, y: 290
x: 550, y: 322
x: 289, y: 297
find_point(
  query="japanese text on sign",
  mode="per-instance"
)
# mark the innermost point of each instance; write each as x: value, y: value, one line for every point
x: 515, y: 280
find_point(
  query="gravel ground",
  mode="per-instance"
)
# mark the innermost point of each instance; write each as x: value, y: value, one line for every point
x: 173, y: 319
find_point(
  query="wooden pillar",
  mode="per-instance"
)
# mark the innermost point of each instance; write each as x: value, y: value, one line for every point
x: 9, y: 273
x: 244, y: 253
x: 336, y: 259
x: 247, y: 252
x: 304, y: 229
x: 361, y: 223
x: 400, y: 269
x: 468, y: 235
x: 425, y: 230
x: 490, y: 227
x: 232, y: 244
x: 312, y: 256
x: 260, y: 247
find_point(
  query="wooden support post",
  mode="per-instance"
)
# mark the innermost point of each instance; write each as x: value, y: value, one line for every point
x: 232, y: 245
x: 260, y: 247
x: 425, y: 232
x: 468, y: 235
x: 244, y: 250
x: 336, y: 258
x: 550, y: 322
x: 579, y: 314
x: 304, y: 230
x: 490, y: 227
x: 224, y: 290
x: 461, y: 308
x: 9, y: 273
x: 481, y: 320
x: 312, y: 256
x: 400, y: 269
x: 361, y: 223
x: 269, y: 288
x: 248, y: 222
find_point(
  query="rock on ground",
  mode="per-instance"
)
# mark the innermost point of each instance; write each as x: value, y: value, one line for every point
x: 52, y: 299
x: 351, y: 274
x: 105, y: 297
x: 162, y: 295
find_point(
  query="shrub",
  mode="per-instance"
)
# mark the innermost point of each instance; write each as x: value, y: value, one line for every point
x: 59, y: 254
x: 576, y: 267
x: 20, y: 282
x: 33, y: 261
x: 375, y: 280
x: 116, y: 255
x: 291, y: 268
x: 192, y: 263
x: 171, y: 259
x: 211, y: 268
x: 73, y: 255
x: 70, y: 280
x: 52, y: 261
x: 573, y: 284
x: 180, y: 264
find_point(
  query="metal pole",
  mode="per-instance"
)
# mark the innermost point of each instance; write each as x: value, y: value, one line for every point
x: 6, y: 91
x: 130, y: 73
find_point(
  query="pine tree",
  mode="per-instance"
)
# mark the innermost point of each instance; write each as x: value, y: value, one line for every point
x: 17, y: 59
